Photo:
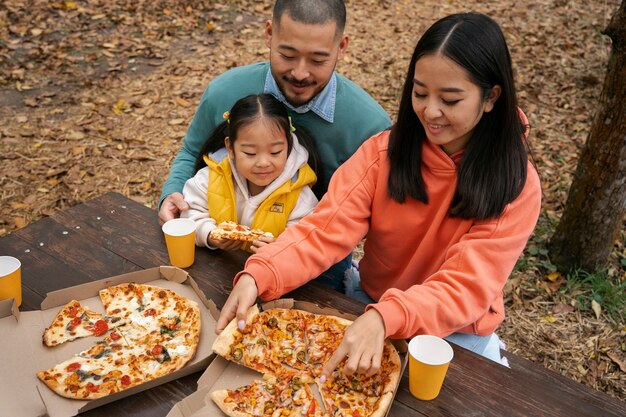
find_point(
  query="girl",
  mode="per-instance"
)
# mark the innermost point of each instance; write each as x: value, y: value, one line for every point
x: 447, y: 199
x: 260, y: 179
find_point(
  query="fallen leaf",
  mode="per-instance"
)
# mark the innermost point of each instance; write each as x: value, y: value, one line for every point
x: 597, y: 309
x: 618, y: 361
x: 19, y: 222
x: 182, y: 102
x: 563, y: 308
x: 549, y: 319
x: 75, y: 135
x: 553, y: 276
x: 30, y: 102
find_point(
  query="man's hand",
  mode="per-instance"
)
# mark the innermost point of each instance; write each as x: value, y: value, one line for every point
x: 241, y: 298
x: 362, y: 345
x: 171, y: 207
x: 260, y: 242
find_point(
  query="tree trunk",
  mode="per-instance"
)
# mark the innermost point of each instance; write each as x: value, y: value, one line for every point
x: 596, y: 202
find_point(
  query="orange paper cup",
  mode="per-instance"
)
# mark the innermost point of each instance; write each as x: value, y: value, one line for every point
x: 429, y: 357
x: 180, y: 237
x: 10, y: 279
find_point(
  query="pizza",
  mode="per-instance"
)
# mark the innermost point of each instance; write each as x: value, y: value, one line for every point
x: 234, y: 231
x: 158, y: 334
x: 74, y: 321
x: 284, y: 394
x: 291, y: 343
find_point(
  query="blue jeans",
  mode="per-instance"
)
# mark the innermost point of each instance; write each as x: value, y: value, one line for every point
x: 487, y: 346
x: 333, y: 277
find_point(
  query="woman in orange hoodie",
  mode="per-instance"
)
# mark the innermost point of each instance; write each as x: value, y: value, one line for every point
x: 447, y: 200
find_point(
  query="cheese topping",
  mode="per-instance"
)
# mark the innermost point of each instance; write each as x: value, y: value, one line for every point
x: 178, y: 350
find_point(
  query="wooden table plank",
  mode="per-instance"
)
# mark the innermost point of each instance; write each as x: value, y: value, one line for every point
x: 41, y: 272
x: 120, y: 225
x: 74, y: 249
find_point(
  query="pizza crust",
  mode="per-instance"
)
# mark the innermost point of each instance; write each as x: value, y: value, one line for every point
x: 394, y: 376
x: 222, y: 343
x: 229, y: 408
x: 383, y: 405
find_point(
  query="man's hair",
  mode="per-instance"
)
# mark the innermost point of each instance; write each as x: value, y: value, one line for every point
x: 312, y: 12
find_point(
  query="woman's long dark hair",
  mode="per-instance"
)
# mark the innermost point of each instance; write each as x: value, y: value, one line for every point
x: 492, y: 172
x: 251, y: 108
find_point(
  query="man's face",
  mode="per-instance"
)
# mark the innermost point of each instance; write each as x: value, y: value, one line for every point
x: 303, y: 57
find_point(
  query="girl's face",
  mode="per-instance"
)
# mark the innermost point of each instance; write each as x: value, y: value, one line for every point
x: 260, y: 153
x: 447, y: 102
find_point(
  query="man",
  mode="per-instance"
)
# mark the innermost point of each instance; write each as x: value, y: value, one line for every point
x: 306, y: 39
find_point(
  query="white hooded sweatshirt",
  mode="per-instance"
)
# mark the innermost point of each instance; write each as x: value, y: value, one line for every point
x: 196, y: 188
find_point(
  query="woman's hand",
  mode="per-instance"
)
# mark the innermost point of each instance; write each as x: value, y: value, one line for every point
x: 241, y: 298
x: 260, y: 242
x: 362, y: 345
x: 224, y: 244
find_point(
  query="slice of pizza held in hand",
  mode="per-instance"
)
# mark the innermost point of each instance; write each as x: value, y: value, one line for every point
x: 234, y: 231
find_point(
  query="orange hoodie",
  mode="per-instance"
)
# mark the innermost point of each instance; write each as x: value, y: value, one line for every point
x: 431, y: 273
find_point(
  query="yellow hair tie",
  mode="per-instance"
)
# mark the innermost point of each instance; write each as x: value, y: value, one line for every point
x: 291, y: 126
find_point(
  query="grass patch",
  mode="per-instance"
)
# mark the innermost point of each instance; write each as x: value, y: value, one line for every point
x: 608, y: 292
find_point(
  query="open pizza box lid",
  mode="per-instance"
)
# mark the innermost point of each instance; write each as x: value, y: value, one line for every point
x: 222, y: 374
x: 22, y: 352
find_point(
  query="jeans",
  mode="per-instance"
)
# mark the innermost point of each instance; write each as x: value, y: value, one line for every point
x: 487, y: 346
x: 333, y: 277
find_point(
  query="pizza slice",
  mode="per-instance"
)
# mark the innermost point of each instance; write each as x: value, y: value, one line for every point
x: 107, y: 367
x: 248, y: 347
x: 282, y: 332
x: 285, y: 394
x: 74, y: 321
x: 361, y: 395
x: 324, y: 334
x: 154, y: 309
x: 234, y: 231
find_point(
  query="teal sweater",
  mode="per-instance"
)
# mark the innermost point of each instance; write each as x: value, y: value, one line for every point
x: 357, y: 117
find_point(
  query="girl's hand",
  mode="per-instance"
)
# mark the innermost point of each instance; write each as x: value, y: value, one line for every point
x: 224, y: 244
x: 260, y: 242
x: 362, y: 345
x: 241, y: 298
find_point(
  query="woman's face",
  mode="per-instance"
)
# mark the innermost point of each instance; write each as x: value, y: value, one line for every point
x: 447, y: 102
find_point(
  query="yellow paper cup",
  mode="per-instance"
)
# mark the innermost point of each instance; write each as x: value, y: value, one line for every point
x: 429, y: 357
x: 180, y: 237
x: 10, y: 279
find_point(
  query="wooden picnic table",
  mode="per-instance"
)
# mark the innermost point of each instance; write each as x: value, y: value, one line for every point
x: 113, y: 235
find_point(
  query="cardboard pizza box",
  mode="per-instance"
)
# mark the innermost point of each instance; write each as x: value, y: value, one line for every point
x: 222, y: 374
x: 22, y: 352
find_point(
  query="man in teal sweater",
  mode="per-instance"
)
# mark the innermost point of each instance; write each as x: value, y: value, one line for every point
x: 306, y: 39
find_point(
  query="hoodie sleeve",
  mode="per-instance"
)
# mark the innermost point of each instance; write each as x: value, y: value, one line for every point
x: 321, y: 239
x: 195, y: 194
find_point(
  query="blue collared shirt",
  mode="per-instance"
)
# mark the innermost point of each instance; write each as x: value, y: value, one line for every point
x: 323, y: 104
